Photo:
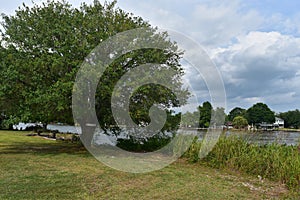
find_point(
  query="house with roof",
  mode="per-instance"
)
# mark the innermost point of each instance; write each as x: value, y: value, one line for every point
x: 279, y: 122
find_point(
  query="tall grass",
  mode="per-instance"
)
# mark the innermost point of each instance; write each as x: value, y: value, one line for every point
x: 274, y: 161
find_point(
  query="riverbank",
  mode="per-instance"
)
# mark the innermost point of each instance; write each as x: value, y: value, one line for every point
x: 289, y: 130
x: 36, y: 168
x: 261, y: 130
x: 273, y: 161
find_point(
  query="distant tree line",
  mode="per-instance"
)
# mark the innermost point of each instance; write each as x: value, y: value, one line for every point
x: 240, y: 117
x: 254, y: 115
x: 202, y: 117
x: 291, y: 118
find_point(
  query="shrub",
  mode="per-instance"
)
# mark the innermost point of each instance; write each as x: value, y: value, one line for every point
x: 144, y: 145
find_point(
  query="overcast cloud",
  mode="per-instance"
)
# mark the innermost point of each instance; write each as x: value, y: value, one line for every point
x: 254, y: 44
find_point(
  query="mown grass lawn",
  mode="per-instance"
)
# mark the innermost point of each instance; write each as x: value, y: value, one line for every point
x: 36, y: 168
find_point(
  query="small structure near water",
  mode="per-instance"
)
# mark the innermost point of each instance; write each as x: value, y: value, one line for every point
x: 267, y: 127
x: 279, y: 122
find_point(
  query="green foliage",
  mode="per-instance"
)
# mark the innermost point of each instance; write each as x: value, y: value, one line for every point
x: 237, y: 111
x: 193, y: 152
x: 291, y: 118
x: 218, y: 116
x: 145, y: 145
x: 172, y: 121
x: 205, y: 114
x: 240, y: 122
x: 190, y: 119
x: 259, y: 113
x: 43, y: 46
x: 42, y: 50
x: 273, y: 161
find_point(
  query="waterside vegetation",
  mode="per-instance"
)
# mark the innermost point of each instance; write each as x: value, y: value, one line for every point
x: 273, y: 161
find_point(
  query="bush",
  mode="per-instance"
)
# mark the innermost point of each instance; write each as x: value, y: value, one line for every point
x: 144, y: 145
x: 239, y: 122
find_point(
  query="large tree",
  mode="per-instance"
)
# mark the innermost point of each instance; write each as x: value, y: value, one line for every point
x: 43, y: 47
x: 43, y: 53
x: 259, y: 113
x: 237, y: 111
x: 218, y: 116
x: 205, y: 114
x: 291, y: 118
x: 239, y: 122
x: 190, y: 119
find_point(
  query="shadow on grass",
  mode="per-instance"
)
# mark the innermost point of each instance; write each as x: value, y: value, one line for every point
x: 53, y: 148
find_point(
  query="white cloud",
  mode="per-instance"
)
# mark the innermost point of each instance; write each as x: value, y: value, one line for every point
x: 219, y: 24
x: 261, y: 66
x: 255, y: 48
x: 211, y: 23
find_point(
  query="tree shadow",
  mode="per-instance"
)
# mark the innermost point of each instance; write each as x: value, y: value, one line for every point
x: 40, y: 148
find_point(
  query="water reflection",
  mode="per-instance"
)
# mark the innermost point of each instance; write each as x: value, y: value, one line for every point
x: 262, y: 137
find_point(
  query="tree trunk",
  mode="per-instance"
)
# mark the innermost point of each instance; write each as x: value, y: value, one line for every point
x: 45, y: 127
x: 10, y: 127
x: 87, y: 133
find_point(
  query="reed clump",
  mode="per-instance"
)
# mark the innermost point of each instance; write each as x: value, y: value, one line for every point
x: 273, y: 161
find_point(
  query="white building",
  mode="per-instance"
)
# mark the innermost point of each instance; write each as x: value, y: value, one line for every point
x: 279, y: 122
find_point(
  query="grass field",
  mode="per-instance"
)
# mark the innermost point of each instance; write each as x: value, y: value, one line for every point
x: 36, y: 168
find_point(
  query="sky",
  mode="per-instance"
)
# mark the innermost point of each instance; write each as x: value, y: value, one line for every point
x: 255, y: 44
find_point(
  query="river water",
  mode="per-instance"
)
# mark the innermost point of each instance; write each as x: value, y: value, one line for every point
x: 262, y: 137
x: 268, y: 137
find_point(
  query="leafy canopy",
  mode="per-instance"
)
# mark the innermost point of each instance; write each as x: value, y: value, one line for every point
x: 237, y: 111
x: 43, y: 46
x: 239, y: 122
x: 259, y: 113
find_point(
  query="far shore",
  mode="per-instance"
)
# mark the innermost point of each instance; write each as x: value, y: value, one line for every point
x: 245, y: 129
